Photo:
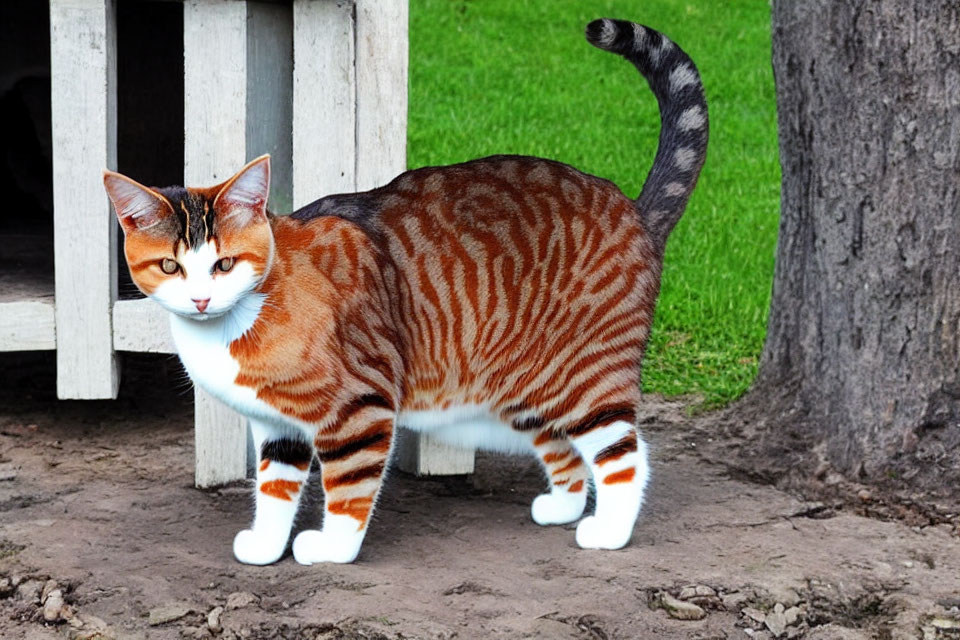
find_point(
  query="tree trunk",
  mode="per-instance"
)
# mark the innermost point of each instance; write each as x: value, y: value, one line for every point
x: 864, y: 331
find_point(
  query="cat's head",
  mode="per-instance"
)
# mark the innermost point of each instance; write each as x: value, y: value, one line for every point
x: 196, y: 251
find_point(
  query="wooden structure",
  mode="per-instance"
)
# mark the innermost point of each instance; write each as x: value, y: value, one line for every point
x: 319, y: 84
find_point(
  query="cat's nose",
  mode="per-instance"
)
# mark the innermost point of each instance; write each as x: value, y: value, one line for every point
x: 201, y: 303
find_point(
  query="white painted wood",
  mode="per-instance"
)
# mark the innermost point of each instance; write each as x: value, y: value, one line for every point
x: 220, y: 442
x: 215, y: 90
x: 84, y: 110
x: 225, y: 43
x: 28, y: 325
x: 324, y: 100
x: 425, y: 456
x: 382, y: 53
x: 381, y: 70
x: 141, y: 325
x: 270, y: 95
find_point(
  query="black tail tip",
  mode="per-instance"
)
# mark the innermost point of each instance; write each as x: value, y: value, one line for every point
x: 611, y: 35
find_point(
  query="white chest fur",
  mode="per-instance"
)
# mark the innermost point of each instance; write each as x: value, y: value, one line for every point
x: 204, y: 349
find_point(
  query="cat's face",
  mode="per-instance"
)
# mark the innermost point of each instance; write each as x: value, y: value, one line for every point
x: 196, y: 251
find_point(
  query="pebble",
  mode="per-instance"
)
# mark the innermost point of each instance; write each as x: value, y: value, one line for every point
x: 776, y: 622
x: 29, y: 591
x: 679, y: 609
x: 167, y: 613
x: 53, y: 606
x: 240, y: 599
x: 6, y: 588
x: 754, y: 614
x: 213, y: 619
x: 48, y: 587
x: 792, y: 615
x: 696, y: 591
x: 864, y: 495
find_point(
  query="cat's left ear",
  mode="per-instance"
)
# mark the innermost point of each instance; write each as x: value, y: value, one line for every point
x: 243, y: 199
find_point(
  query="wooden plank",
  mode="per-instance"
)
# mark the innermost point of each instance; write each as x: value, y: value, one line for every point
x: 324, y: 100
x: 270, y: 95
x: 84, y: 120
x: 28, y: 325
x: 141, y: 325
x: 381, y: 69
x: 215, y: 119
x: 220, y: 442
x: 425, y: 456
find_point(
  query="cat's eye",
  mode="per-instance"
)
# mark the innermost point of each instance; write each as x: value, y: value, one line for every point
x: 168, y: 265
x: 225, y: 264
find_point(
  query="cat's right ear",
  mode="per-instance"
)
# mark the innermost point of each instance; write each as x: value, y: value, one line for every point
x: 138, y: 207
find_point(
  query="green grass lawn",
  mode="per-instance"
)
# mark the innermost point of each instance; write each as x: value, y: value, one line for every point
x: 508, y: 76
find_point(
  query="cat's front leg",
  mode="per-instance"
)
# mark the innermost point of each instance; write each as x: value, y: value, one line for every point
x: 282, y: 470
x: 353, y: 461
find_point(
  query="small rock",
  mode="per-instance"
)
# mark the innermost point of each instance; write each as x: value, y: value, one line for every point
x: 29, y: 591
x: 6, y: 588
x: 945, y: 623
x: 679, y: 609
x: 908, y: 564
x: 687, y: 592
x: 776, y: 622
x: 167, y: 613
x: 733, y: 602
x: 792, y: 615
x: 213, y: 619
x: 7, y: 474
x: 789, y: 597
x: 864, y: 495
x: 754, y: 614
x: 778, y: 608
x: 53, y: 605
x: 705, y: 591
x: 48, y: 588
x: 696, y: 591
x: 241, y: 599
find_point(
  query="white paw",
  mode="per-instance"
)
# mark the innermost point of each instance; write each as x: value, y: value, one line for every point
x: 312, y: 546
x: 560, y: 507
x: 593, y: 533
x: 250, y: 547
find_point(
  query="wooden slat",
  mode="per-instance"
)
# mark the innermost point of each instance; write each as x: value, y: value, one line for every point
x: 270, y: 95
x: 324, y: 100
x: 141, y: 325
x: 425, y: 456
x: 84, y: 120
x: 215, y: 136
x: 381, y: 69
x: 382, y: 52
x: 28, y: 325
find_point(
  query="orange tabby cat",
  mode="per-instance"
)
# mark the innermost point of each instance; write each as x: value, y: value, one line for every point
x: 501, y: 303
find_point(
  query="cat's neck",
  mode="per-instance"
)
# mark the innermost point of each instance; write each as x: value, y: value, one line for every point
x: 226, y: 328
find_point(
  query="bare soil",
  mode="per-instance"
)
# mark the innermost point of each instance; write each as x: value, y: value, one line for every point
x: 97, y: 509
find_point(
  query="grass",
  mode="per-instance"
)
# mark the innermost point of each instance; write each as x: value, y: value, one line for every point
x: 504, y: 76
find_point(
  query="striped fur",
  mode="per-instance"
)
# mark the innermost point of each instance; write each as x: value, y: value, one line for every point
x: 503, y: 302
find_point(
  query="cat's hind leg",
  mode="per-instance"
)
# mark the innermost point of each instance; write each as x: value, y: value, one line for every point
x: 282, y: 470
x: 352, y: 462
x: 568, y: 476
x: 617, y: 457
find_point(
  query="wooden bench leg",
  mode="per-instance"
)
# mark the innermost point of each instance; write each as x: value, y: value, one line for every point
x: 84, y: 118
x: 237, y: 106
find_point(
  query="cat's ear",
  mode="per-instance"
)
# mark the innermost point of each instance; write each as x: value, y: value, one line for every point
x: 138, y: 207
x: 243, y: 199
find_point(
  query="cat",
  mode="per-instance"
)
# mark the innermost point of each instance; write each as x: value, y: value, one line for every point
x: 501, y: 303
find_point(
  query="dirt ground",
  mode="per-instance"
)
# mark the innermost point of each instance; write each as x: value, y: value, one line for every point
x: 103, y: 535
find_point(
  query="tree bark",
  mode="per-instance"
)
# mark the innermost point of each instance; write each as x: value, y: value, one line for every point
x: 863, y: 340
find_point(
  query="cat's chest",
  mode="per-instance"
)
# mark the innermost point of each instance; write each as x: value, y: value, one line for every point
x: 204, y: 350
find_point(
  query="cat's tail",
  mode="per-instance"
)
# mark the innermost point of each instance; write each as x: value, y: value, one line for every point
x: 675, y: 82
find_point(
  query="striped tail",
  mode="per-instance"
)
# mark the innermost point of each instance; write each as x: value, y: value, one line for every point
x: 675, y: 82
